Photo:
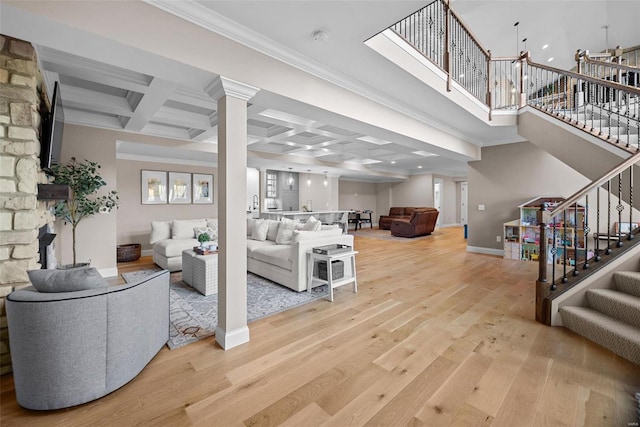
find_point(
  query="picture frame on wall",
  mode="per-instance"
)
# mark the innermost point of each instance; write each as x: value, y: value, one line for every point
x: 153, y: 186
x: 202, y: 188
x: 179, y: 188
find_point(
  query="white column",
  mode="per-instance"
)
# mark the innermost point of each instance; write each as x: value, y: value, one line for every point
x: 232, y: 100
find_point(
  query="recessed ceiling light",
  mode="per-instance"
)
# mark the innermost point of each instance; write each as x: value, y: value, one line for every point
x: 545, y: 46
x: 419, y: 167
x: 393, y: 162
x: 550, y: 59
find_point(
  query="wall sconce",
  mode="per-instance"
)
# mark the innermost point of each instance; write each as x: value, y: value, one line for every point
x: 326, y: 179
x: 308, y: 177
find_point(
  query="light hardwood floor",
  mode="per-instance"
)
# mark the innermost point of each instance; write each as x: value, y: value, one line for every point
x: 435, y: 336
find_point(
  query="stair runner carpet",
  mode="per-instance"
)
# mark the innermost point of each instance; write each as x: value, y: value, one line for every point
x: 611, y: 317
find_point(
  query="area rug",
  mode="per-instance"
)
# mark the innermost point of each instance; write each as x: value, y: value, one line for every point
x: 194, y: 316
x: 375, y: 233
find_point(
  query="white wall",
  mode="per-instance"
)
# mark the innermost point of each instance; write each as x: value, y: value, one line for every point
x: 319, y: 194
x: 355, y: 195
x: 95, y: 236
x: 134, y: 218
x: 417, y: 191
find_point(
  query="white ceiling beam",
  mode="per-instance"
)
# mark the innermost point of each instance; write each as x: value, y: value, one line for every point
x: 73, y: 96
x: 159, y: 92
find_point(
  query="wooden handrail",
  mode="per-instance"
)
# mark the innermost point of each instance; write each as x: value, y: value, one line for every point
x: 607, y: 83
x: 621, y: 67
x: 630, y: 161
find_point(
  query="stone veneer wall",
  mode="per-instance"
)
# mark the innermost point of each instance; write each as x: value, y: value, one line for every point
x: 21, y: 214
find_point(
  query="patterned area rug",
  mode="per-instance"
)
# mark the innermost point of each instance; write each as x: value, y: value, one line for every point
x: 194, y: 316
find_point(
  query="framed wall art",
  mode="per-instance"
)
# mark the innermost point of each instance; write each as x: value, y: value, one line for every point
x: 179, y: 188
x: 202, y: 188
x: 153, y: 187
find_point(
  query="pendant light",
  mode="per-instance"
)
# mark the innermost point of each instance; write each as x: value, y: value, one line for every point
x: 290, y: 181
x: 308, y: 177
x: 326, y: 179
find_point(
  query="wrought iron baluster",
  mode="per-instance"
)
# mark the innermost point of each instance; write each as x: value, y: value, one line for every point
x: 565, y: 279
x: 597, y: 242
x: 575, y: 240
x: 585, y: 230
x: 608, y: 251
x: 631, y: 229
x: 620, y: 208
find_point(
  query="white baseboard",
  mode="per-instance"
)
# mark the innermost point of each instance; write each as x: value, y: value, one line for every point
x: 449, y: 225
x: 486, y: 251
x: 146, y: 252
x: 230, y: 339
x: 108, y: 272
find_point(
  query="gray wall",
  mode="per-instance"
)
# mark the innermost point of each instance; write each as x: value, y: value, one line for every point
x: 507, y: 176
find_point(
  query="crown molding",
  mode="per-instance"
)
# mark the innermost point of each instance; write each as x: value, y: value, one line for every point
x: 204, y: 17
x: 159, y: 159
x: 223, y: 86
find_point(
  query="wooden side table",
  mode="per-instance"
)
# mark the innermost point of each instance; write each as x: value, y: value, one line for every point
x: 350, y: 276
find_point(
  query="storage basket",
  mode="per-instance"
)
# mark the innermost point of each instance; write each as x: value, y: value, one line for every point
x: 128, y: 253
x: 337, y: 270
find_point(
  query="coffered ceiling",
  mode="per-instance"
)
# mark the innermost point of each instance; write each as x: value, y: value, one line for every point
x: 136, y: 91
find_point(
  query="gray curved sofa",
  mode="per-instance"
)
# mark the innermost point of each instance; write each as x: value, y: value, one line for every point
x: 70, y: 348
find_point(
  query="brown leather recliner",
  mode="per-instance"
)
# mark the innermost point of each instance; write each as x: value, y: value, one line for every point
x: 421, y: 223
x: 384, y: 223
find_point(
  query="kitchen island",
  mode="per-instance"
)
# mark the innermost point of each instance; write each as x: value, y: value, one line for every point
x: 327, y: 217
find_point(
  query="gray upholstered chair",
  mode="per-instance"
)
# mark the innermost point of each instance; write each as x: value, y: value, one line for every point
x: 69, y: 348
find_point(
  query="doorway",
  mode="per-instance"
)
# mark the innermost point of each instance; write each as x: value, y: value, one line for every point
x: 463, y: 202
x: 437, y: 198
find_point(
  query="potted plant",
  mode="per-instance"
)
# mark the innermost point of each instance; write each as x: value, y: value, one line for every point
x: 203, y: 238
x: 84, y: 180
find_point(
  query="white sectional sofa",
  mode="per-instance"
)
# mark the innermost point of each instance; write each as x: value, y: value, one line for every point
x: 170, y: 238
x: 276, y: 250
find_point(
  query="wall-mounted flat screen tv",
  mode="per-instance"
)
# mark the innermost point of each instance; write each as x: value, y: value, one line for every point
x: 52, y: 128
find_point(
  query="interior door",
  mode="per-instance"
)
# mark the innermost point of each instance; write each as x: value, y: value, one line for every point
x: 437, y: 198
x: 463, y: 202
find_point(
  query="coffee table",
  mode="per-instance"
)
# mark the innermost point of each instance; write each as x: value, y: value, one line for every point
x: 200, y: 271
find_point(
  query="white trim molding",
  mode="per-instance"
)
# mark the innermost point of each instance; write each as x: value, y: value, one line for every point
x: 108, y: 272
x: 223, y: 86
x: 230, y: 339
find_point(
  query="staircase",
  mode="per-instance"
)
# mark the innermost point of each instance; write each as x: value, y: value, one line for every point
x: 611, y: 317
x: 607, y: 113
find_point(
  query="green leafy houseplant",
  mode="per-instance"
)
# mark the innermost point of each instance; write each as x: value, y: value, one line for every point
x: 202, y: 238
x: 84, y: 180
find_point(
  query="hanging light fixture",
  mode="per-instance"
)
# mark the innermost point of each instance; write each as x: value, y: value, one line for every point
x: 326, y: 179
x: 308, y: 177
x: 290, y: 181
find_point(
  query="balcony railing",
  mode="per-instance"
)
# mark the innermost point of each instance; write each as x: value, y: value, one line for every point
x: 603, y: 107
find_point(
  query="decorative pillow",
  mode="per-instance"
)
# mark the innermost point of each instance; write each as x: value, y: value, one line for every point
x: 75, y: 279
x: 312, y: 224
x: 285, y: 232
x: 160, y: 230
x: 260, y: 229
x: 213, y: 234
x: 213, y: 223
x: 183, y: 228
x: 273, y: 229
x: 251, y: 223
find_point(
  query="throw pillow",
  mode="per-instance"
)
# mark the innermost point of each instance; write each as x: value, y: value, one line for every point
x: 160, y: 230
x: 285, y: 233
x: 251, y: 223
x: 260, y: 229
x: 312, y: 224
x: 273, y: 229
x: 76, y: 279
x: 213, y: 234
x: 213, y: 223
x: 183, y: 228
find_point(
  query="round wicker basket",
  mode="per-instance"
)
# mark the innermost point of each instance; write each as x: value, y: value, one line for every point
x: 128, y: 253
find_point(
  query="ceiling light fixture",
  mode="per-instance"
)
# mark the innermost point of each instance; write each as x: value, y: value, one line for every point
x: 393, y: 162
x: 545, y: 46
x: 290, y: 181
x: 524, y: 40
x: 606, y: 37
x: 326, y: 179
x: 320, y: 36
x: 308, y: 177
x: 550, y: 59
x: 517, y: 38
